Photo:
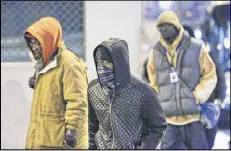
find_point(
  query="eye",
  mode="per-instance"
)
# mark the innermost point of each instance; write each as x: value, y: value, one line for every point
x: 31, y: 44
x: 160, y: 26
x: 168, y: 25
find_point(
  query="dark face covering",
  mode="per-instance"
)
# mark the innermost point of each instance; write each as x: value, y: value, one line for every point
x: 106, y: 73
x: 105, y: 69
x: 36, y: 50
x: 168, y: 32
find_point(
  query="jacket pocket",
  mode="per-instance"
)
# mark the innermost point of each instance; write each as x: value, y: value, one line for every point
x: 51, y: 132
x: 190, y: 107
x: 188, y: 102
x: 186, y: 93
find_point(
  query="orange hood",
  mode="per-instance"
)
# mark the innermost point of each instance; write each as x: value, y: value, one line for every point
x: 48, y: 32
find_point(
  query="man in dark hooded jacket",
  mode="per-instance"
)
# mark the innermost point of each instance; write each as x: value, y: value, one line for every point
x: 124, y: 113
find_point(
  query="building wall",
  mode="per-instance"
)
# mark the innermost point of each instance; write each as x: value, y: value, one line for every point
x: 16, y: 97
x: 119, y: 19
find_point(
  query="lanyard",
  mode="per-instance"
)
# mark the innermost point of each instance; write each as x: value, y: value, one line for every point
x: 172, y: 56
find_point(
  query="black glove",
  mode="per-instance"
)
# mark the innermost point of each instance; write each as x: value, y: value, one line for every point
x: 32, y: 81
x: 70, y: 138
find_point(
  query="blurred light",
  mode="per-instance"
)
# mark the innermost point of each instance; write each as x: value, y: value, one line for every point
x: 188, y: 14
x: 219, y: 47
x: 198, y: 33
x: 219, y: 2
x: 227, y: 43
x: 229, y: 85
x: 207, y: 46
x: 165, y: 4
x: 228, y: 27
x: 209, y: 9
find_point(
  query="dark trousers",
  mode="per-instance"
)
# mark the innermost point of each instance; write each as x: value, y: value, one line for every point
x: 190, y: 136
x: 211, y: 134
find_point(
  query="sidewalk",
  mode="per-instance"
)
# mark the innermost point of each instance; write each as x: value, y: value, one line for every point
x: 222, y: 139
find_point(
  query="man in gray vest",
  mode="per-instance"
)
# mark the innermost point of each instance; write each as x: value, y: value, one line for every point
x: 184, y: 75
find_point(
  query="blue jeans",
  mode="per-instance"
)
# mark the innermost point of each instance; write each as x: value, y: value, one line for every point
x: 190, y: 136
x: 211, y: 134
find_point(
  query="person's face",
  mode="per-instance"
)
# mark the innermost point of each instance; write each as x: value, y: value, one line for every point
x: 36, y: 49
x: 105, y: 72
x: 167, y: 30
x: 104, y: 68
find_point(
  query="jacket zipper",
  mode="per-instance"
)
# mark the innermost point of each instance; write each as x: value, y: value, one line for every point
x: 37, y: 80
x: 177, y: 91
x: 178, y: 99
x: 110, y: 112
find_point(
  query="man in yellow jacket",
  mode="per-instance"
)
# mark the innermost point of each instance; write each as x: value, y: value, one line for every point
x: 59, y: 107
x: 182, y: 72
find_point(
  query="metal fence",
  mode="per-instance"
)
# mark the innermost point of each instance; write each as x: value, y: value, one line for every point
x: 17, y: 16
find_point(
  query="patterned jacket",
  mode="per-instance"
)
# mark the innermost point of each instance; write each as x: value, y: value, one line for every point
x: 134, y: 119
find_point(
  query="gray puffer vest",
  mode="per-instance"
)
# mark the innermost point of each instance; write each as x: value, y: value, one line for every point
x: 177, y: 98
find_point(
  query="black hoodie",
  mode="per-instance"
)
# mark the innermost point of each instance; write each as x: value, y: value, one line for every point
x: 134, y: 119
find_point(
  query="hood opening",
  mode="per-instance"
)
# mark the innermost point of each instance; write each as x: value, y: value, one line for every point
x: 118, y: 50
x: 169, y: 17
x: 48, y: 32
x: 176, y: 41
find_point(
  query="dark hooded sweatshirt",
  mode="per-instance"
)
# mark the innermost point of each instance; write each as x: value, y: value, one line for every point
x: 134, y: 119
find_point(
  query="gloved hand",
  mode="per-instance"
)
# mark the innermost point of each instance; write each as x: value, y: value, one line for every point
x: 218, y: 102
x: 70, y: 138
x: 210, y: 114
x: 32, y: 82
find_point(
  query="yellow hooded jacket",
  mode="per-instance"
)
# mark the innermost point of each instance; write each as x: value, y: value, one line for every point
x: 208, y: 78
x: 60, y: 94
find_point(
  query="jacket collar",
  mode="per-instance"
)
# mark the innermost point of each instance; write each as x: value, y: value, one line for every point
x: 52, y: 64
x: 54, y: 59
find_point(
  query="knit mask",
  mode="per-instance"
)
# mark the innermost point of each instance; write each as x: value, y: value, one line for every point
x: 105, y: 70
x: 168, y: 30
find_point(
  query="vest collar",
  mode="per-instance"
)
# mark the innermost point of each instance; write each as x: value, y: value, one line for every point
x: 184, y: 44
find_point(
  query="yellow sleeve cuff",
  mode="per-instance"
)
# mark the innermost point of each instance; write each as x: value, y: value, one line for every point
x: 71, y: 126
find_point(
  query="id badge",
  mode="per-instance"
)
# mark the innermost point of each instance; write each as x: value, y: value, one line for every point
x: 173, y: 77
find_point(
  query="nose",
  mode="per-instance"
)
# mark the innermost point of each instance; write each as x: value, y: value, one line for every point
x: 33, y: 48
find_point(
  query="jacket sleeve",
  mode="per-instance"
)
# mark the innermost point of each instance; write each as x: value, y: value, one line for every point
x: 145, y: 72
x: 154, y: 122
x: 93, y: 126
x: 151, y: 72
x: 75, y: 85
x: 220, y: 90
x: 208, y: 79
